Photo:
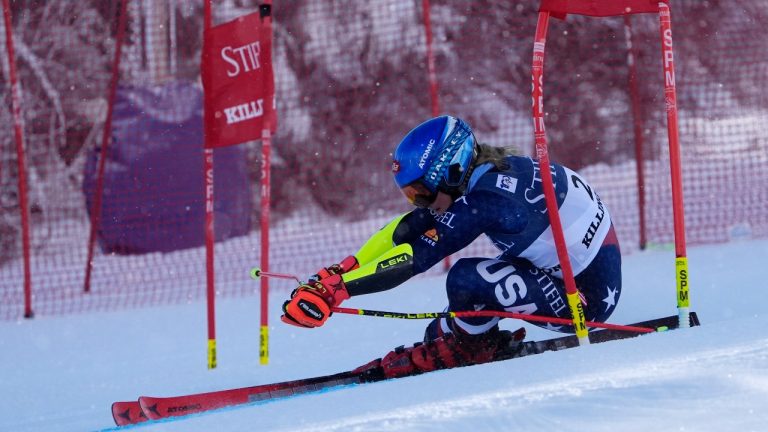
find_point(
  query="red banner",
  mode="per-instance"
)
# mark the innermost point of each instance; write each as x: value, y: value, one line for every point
x: 238, y: 81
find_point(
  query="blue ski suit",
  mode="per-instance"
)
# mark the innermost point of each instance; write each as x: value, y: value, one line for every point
x: 508, y: 206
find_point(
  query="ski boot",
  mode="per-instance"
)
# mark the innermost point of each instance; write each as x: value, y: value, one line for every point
x: 450, y: 350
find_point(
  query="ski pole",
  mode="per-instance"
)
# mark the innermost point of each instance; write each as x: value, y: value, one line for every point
x: 487, y: 313
x: 256, y: 273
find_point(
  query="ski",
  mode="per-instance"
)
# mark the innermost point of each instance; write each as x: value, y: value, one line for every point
x: 128, y: 413
x: 156, y: 408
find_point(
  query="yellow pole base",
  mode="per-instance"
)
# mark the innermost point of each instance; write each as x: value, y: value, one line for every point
x: 211, y: 353
x: 264, y: 345
x: 577, y: 309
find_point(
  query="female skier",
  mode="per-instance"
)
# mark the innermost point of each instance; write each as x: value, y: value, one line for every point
x: 463, y: 189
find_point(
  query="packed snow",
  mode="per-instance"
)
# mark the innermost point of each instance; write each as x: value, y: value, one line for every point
x: 63, y: 373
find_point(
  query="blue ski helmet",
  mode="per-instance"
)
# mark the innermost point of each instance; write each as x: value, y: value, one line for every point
x: 436, y: 155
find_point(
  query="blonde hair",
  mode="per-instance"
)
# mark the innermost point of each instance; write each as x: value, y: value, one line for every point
x: 496, y: 155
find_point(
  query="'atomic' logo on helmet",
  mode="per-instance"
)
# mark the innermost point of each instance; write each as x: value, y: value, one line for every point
x: 395, y: 166
x: 426, y: 153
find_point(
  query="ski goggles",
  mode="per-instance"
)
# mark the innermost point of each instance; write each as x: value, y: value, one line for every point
x: 419, y: 194
x: 458, y: 152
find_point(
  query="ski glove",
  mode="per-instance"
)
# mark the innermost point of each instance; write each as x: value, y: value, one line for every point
x: 310, y: 304
x: 347, y: 264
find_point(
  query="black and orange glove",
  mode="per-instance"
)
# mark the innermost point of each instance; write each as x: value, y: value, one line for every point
x: 310, y: 304
x: 347, y: 264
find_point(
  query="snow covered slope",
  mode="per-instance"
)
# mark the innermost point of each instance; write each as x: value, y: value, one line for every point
x: 62, y: 374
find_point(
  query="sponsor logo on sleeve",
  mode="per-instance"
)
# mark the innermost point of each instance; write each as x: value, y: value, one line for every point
x: 393, y: 262
x: 506, y: 183
x: 444, y: 218
x: 430, y: 237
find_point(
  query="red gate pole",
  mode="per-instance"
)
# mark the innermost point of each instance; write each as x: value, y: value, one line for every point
x: 266, y: 151
x: 432, y: 77
x: 432, y: 74
x: 105, y: 141
x: 20, y: 160
x: 265, y: 10
x: 210, y: 292
x: 637, y: 122
x: 210, y: 279
x: 670, y: 97
x: 540, y: 138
